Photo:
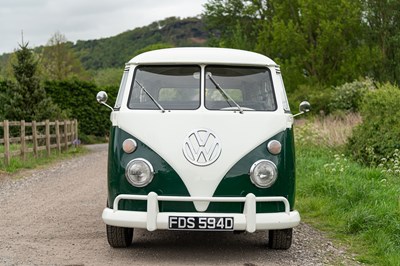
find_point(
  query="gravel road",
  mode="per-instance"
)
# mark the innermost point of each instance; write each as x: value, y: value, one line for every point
x: 52, y: 216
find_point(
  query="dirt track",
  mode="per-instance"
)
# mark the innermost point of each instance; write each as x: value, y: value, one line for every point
x: 53, y: 217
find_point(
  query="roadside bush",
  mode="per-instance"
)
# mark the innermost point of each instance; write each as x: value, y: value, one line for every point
x: 378, y: 135
x: 348, y: 96
x: 318, y: 96
x: 79, y: 98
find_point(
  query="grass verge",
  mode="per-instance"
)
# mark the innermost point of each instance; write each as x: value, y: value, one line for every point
x: 358, y: 206
x: 16, y: 163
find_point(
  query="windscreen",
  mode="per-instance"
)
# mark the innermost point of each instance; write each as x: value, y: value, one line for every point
x: 167, y: 87
x: 232, y: 88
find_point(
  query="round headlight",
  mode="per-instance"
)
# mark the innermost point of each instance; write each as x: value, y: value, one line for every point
x: 263, y: 173
x: 274, y: 147
x: 129, y: 145
x: 139, y: 172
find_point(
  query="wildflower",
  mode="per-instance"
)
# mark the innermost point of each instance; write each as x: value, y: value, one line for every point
x: 76, y: 142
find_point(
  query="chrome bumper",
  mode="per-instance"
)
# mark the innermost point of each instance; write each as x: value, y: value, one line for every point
x: 249, y: 220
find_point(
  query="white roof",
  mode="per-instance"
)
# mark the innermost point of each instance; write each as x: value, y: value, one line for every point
x: 202, y: 55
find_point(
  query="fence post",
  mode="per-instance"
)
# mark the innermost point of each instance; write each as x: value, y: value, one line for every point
x: 58, y: 137
x: 34, y: 139
x: 6, y: 143
x: 76, y: 129
x: 23, y: 144
x: 65, y: 135
x: 47, y: 125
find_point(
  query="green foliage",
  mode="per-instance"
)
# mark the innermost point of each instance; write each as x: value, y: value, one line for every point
x: 107, y: 76
x: 26, y: 99
x: 382, y: 24
x: 378, y: 135
x: 59, y: 60
x: 115, y: 51
x: 391, y: 164
x: 313, y: 41
x: 31, y: 162
x: 5, y: 66
x: 348, y: 96
x: 237, y: 22
x: 79, y: 98
x: 152, y: 47
x: 358, y: 205
x: 319, y: 96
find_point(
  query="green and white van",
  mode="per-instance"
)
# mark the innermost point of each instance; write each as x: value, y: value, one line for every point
x: 201, y: 139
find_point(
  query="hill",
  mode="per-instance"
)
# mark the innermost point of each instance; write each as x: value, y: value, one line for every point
x: 114, y: 52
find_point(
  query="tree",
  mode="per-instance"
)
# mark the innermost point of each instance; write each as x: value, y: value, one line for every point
x: 319, y: 42
x: 382, y: 21
x: 237, y: 21
x: 314, y: 41
x: 26, y: 99
x: 152, y: 47
x: 59, y: 60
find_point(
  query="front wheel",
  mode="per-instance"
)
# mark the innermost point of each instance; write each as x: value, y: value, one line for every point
x: 280, y: 239
x: 119, y: 237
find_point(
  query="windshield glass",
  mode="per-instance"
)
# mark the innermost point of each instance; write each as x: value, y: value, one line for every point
x: 172, y: 87
x: 251, y: 89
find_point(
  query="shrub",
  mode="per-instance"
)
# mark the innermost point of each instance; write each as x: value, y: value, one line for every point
x: 79, y: 98
x: 318, y: 96
x: 348, y: 96
x: 378, y: 135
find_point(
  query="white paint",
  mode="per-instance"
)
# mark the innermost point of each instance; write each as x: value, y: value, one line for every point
x: 202, y: 55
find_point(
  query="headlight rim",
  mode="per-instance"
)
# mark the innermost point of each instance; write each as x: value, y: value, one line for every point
x: 253, y: 167
x: 151, y: 171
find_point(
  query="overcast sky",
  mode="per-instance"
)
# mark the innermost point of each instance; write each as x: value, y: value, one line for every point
x: 82, y: 19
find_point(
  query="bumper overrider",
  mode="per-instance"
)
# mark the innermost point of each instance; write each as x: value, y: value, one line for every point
x: 249, y: 220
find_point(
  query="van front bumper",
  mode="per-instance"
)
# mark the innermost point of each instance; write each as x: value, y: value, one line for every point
x: 249, y: 220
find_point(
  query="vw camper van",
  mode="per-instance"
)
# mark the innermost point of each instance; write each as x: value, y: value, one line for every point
x: 201, y: 140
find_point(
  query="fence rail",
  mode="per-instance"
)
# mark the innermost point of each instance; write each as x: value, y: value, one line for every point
x: 32, y: 137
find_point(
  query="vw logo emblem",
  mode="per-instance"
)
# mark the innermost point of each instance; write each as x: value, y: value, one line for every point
x: 201, y: 147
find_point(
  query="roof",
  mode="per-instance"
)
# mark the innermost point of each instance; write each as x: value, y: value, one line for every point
x: 202, y: 55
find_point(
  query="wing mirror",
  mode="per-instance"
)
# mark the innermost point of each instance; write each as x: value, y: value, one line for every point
x: 303, y: 108
x: 102, y: 97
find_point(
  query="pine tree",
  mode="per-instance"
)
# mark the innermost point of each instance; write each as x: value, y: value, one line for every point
x: 26, y: 99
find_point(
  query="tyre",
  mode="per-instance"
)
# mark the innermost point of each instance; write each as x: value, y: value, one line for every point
x: 119, y: 237
x: 280, y: 239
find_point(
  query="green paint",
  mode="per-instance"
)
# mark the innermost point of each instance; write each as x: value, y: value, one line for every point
x: 165, y: 182
x: 237, y: 181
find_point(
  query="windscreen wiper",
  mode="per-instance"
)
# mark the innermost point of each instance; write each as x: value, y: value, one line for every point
x: 226, y: 95
x: 151, y: 97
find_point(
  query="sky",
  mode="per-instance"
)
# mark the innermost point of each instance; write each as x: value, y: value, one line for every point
x: 82, y: 19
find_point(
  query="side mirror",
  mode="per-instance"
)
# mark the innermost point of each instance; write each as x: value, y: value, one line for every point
x: 303, y: 108
x: 102, y: 97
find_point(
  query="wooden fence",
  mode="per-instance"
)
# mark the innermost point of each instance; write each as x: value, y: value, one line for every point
x: 32, y: 137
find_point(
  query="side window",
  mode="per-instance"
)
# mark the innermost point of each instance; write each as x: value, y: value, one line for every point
x: 285, y: 101
x: 121, y: 90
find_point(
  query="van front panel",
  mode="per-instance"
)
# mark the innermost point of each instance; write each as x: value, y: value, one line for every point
x: 166, y: 181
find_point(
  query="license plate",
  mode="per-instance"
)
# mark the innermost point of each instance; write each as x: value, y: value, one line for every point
x: 200, y: 223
